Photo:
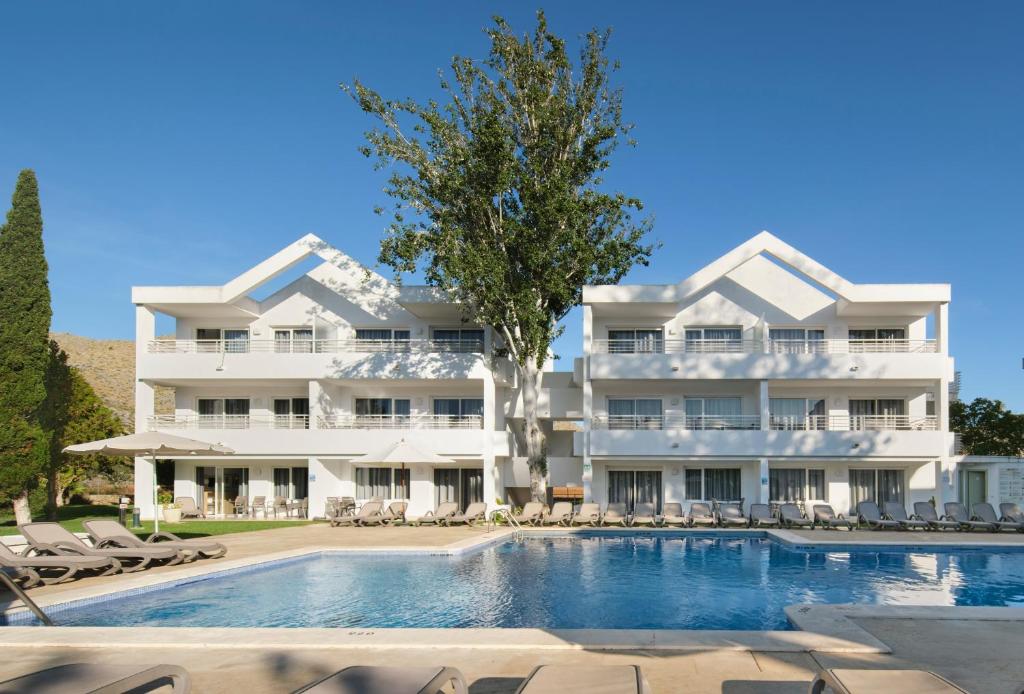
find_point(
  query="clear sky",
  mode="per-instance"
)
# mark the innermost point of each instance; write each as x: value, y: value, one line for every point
x: 182, y: 142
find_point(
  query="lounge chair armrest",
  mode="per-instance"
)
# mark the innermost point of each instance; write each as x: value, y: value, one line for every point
x: 161, y: 536
x: 110, y: 542
x: 45, y: 548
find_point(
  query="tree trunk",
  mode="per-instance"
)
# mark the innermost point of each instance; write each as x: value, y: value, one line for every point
x: 52, y: 493
x: 536, y: 455
x: 22, y: 513
x: 61, y: 494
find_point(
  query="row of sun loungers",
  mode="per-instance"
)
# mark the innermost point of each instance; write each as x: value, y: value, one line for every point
x: 366, y: 679
x: 53, y: 553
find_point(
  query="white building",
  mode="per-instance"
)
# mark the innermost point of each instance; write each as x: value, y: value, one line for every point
x: 764, y: 376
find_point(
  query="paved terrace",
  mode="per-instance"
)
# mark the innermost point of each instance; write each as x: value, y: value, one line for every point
x: 980, y: 654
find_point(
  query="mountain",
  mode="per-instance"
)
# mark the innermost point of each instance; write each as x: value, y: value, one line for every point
x: 109, y: 367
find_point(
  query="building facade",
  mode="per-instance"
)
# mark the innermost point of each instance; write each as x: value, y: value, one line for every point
x: 762, y: 377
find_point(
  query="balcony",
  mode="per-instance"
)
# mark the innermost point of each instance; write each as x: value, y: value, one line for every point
x: 776, y: 423
x: 680, y: 421
x: 394, y: 421
x: 772, y: 359
x: 315, y: 346
x: 229, y: 421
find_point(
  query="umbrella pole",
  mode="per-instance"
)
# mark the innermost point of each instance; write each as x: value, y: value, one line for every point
x: 156, y: 511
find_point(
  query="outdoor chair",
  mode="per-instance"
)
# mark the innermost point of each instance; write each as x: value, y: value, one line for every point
x: 561, y: 514
x: 369, y: 514
x: 1011, y: 512
x: 385, y: 679
x: 926, y: 512
x: 475, y: 512
x: 615, y: 514
x: 791, y: 517
x: 730, y: 515
x: 826, y: 517
x: 873, y: 681
x: 280, y: 505
x: 241, y: 506
x: 643, y: 514
x: 395, y: 513
x: 895, y: 511
x: 440, y: 516
x: 108, y: 532
x: 589, y: 514
x: 52, y: 538
x: 533, y: 513
x: 700, y: 514
x: 984, y: 512
x: 761, y: 516
x: 958, y: 512
x: 672, y: 514
x: 188, y: 507
x: 868, y: 513
x: 607, y: 679
x: 259, y: 503
x: 54, y: 567
x: 93, y: 677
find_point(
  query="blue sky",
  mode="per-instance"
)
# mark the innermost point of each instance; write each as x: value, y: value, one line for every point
x: 181, y: 143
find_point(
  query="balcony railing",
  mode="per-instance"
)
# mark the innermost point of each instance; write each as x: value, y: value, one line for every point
x: 229, y: 421
x: 314, y: 346
x: 776, y: 423
x: 825, y: 346
x: 399, y: 421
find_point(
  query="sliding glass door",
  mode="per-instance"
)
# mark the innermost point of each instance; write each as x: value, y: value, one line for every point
x: 631, y: 487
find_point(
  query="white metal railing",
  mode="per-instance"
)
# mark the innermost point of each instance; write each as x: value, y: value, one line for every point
x: 314, y: 346
x: 677, y: 421
x: 824, y: 346
x: 776, y: 422
x: 492, y: 522
x: 397, y: 421
x: 229, y: 421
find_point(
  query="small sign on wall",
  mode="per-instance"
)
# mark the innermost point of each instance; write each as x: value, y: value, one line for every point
x: 312, y: 477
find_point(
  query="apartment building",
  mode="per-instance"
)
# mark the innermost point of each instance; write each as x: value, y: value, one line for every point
x: 337, y: 364
x: 765, y: 376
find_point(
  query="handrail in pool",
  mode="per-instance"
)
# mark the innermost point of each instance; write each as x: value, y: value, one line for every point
x: 492, y: 521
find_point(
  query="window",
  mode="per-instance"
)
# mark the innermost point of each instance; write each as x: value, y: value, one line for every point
x: 402, y: 478
x: 714, y: 339
x: 878, y: 339
x: 634, y: 413
x: 293, y: 340
x: 383, y: 410
x: 458, y: 339
x: 236, y: 340
x: 880, y: 414
x: 879, y: 486
x: 716, y: 413
x: 797, y: 340
x: 373, y: 406
x: 788, y: 414
x: 796, y: 484
x: 223, y: 413
x: 382, y: 334
x: 291, y: 413
x: 633, y: 487
x: 694, y: 484
x: 721, y: 484
x: 878, y: 334
x: 209, y: 339
x: 373, y: 483
x: 282, y: 482
x: 636, y: 340
x: 459, y: 409
x: 300, y: 483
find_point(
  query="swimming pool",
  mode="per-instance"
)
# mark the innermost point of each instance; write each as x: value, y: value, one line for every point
x: 595, y: 581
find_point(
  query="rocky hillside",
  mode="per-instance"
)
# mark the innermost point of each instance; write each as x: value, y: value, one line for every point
x: 109, y: 367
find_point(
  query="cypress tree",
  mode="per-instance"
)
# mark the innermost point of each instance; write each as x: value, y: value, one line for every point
x: 24, y: 346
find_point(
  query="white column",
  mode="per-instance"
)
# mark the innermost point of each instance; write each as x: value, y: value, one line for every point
x: 941, y: 315
x: 588, y: 404
x: 764, y: 480
x: 316, y: 404
x: 319, y: 487
x: 491, y: 491
x: 764, y: 405
x: 145, y: 472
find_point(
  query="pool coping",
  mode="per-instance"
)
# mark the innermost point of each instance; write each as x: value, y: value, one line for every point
x: 821, y: 628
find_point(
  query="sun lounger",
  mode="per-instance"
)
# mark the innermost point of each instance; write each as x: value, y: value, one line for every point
x: 561, y: 514
x: 477, y: 511
x: 589, y: 514
x: 700, y: 514
x: 615, y: 514
x: 791, y: 517
x: 826, y: 517
x: 395, y: 513
x: 868, y: 513
x: 895, y: 511
x: 108, y: 531
x: 672, y: 514
x: 92, y: 677
x: 369, y: 514
x: 984, y: 512
x: 730, y: 515
x: 40, y: 568
x: 643, y: 514
x: 440, y: 516
x: 958, y: 512
x: 926, y: 512
x: 382, y: 679
x: 188, y: 507
x: 533, y: 513
x: 761, y: 516
x: 607, y: 679
x: 45, y: 536
x: 872, y: 681
x: 1011, y: 512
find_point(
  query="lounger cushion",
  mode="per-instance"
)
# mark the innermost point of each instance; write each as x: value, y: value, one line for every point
x: 895, y: 681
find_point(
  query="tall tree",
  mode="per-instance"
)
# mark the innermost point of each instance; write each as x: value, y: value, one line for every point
x: 498, y: 193
x: 24, y: 351
x: 986, y: 427
x: 73, y: 414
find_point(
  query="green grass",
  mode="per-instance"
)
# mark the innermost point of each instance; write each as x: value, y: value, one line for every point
x: 71, y: 517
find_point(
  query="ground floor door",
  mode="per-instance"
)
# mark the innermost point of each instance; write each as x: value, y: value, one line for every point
x: 218, y: 487
x: 631, y: 487
x: 464, y: 486
x: 975, y: 487
x: 235, y: 483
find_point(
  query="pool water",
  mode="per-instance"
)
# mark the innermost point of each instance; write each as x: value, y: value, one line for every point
x: 593, y: 581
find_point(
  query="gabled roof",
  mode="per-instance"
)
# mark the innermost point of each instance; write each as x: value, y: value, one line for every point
x: 768, y: 244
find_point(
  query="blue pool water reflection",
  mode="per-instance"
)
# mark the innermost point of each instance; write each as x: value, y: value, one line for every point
x: 593, y: 581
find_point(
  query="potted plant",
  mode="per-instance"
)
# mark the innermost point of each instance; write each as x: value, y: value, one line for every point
x: 171, y: 511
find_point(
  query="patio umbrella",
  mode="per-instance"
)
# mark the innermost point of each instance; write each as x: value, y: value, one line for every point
x: 152, y: 444
x: 400, y: 452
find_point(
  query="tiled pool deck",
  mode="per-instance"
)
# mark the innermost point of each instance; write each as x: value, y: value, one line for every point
x: 976, y: 647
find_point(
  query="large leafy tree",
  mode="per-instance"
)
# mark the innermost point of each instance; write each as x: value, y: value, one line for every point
x: 73, y: 414
x: 986, y: 427
x: 24, y: 352
x: 498, y: 193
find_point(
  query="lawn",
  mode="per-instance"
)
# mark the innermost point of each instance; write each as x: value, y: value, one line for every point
x: 71, y: 517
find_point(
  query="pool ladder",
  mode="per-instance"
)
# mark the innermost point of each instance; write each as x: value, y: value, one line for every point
x: 492, y: 522
x: 9, y: 583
